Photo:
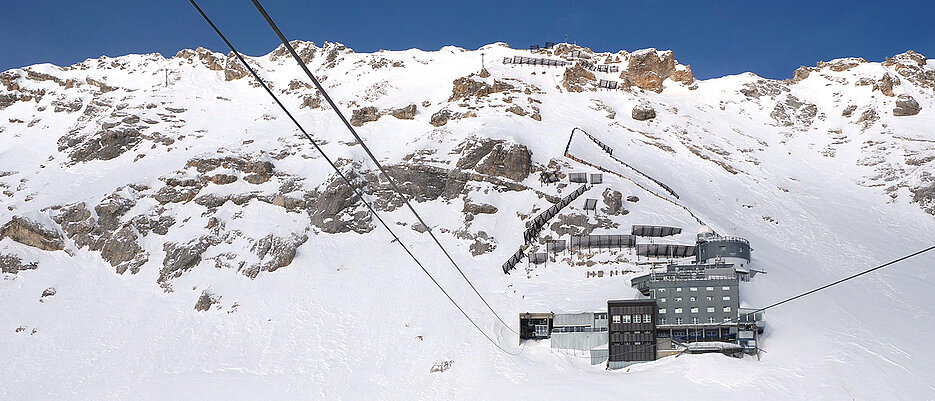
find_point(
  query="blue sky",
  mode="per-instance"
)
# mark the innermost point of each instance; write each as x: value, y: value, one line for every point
x: 717, y: 38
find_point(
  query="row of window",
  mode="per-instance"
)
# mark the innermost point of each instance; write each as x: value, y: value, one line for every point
x: 693, y: 299
x: 694, y: 320
x: 710, y: 309
x: 679, y: 289
x: 578, y: 329
x: 633, y: 318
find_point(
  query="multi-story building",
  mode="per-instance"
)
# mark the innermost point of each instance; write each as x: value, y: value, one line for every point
x: 693, y: 302
x: 631, y: 334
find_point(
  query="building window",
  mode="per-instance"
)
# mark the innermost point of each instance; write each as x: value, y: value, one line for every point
x: 637, y: 343
x: 662, y: 300
x: 678, y: 299
x: 647, y: 318
x: 694, y: 310
x: 678, y: 320
x: 726, y: 318
x: 710, y: 309
x: 723, y: 248
x: 662, y: 290
x: 636, y: 319
x: 678, y: 289
x: 616, y: 318
x: 626, y: 318
x: 662, y: 311
x: 725, y: 288
x: 710, y: 288
x: 710, y: 298
x: 693, y: 289
x: 678, y: 310
x: 726, y: 298
x: 693, y: 299
x: 727, y: 309
x: 542, y: 330
x: 694, y: 320
x: 662, y: 320
x: 711, y: 319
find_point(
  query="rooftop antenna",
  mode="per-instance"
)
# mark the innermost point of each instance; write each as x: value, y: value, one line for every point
x: 167, y: 77
x: 482, y: 60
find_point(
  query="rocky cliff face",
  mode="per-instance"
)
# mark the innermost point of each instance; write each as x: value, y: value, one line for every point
x: 647, y: 69
x: 176, y: 173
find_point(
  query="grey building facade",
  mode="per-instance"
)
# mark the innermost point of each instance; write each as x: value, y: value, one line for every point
x: 631, y: 331
x: 694, y: 302
x: 713, y: 248
x: 696, y: 297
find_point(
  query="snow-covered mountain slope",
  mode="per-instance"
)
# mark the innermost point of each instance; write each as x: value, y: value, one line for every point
x: 167, y: 234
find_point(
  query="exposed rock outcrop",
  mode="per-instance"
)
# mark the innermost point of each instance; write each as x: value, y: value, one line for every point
x: 403, y: 113
x: 336, y: 209
x: 274, y: 252
x: 467, y: 87
x: 577, y: 78
x: 906, y: 106
x: 364, y: 115
x: 205, y: 56
x: 181, y: 257
x: 12, y: 264
x: 648, y: 68
x: 368, y: 114
x: 103, y: 145
x: 841, y: 64
x: 613, y: 201
x: 800, y: 74
x: 497, y: 158
x: 32, y: 233
x: 440, y: 117
x: 912, y: 66
x: 206, y: 301
x: 885, y: 85
x: 117, y: 240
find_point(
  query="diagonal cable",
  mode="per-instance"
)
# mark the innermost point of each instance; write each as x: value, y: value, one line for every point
x: 392, y: 182
x: 357, y: 192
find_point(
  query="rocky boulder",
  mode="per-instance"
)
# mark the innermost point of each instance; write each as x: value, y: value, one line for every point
x: 906, y: 106
x: 576, y: 78
x: 613, y: 201
x: 885, y: 84
x: 440, y: 117
x: 648, y: 68
x: 467, y: 87
x: 643, y: 111
x: 364, y: 115
x: 28, y: 232
x: 404, y: 113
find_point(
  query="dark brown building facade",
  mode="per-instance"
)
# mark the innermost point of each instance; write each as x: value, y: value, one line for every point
x: 632, y: 331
